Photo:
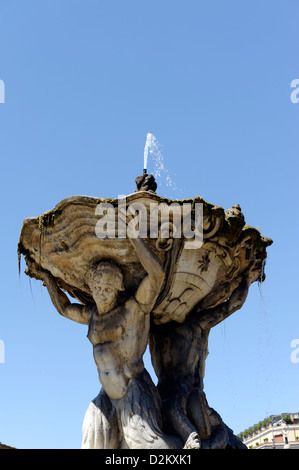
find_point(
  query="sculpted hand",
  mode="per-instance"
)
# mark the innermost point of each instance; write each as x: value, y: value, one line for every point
x: 36, y: 271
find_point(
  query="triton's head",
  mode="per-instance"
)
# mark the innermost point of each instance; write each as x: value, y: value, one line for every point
x: 105, y: 281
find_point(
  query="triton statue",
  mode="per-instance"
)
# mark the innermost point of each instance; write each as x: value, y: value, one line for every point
x: 137, y: 290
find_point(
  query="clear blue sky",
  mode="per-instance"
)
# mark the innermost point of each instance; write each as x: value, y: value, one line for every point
x: 84, y: 83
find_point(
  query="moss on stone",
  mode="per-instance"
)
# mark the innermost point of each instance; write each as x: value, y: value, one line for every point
x: 22, y: 251
x: 47, y: 219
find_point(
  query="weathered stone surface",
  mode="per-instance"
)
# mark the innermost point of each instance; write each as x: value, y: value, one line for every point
x: 150, y: 288
x: 3, y: 446
x: 63, y: 241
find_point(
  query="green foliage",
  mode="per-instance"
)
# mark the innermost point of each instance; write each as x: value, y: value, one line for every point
x: 286, y: 418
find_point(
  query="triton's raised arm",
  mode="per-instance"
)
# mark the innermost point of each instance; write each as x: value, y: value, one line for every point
x: 210, y: 317
x: 150, y: 286
x: 149, y: 260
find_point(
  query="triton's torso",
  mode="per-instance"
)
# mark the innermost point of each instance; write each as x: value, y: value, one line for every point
x: 119, y: 339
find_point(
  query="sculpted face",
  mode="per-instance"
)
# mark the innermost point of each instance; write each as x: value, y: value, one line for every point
x: 105, y: 281
x: 103, y: 293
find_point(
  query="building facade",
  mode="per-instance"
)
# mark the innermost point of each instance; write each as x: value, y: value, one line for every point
x: 274, y: 432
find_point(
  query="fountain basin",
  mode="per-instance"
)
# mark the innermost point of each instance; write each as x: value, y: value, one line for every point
x: 64, y: 242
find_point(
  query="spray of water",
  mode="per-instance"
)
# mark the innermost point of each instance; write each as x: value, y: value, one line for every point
x: 149, y: 144
x: 153, y: 150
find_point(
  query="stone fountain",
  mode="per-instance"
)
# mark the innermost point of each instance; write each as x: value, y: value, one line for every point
x: 124, y: 268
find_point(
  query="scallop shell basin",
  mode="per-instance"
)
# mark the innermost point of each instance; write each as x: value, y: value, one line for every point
x: 64, y: 241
